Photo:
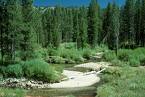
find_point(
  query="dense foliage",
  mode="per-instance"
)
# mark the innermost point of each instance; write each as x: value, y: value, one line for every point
x: 24, y: 28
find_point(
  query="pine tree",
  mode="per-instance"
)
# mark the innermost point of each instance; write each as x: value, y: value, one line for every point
x: 82, y: 33
x: 48, y: 27
x: 11, y: 25
x: 128, y: 32
x: 142, y: 34
x: 38, y: 26
x: 15, y: 26
x: 106, y: 24
x: 57, y: 32
x: 93, y: 23
x: 137, y: 21
x: 75, y: 24
x: 29, y: 35
x: 113, y: 39
x: 3, y: 29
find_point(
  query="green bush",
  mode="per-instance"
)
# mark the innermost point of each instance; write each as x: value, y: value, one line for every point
x: 56, y: 60
x: 70, y: 45
x: 87, y: 53
x: 109, y: 56
x: 101, y: 48
x: 12, y: 71
x: 123, y: 54
x: 70, y: 54
x: 40, y: 70
x: 134, y: 62
x: 40, y: 53
x: 130, y: 57
x: 117, y: 62
x: 142, y: 62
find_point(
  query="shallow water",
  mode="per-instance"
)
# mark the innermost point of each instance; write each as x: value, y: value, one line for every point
x: 71, y: 92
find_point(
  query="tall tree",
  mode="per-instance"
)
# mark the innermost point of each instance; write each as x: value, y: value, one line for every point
x: 113, y: 39
x: 3, y: 29
x: 29, y: 35
x: 93, y: 23
x: 128, y: 31
x: 142, y: 34
x: 106, y: 24
x: 48, y: 27
x: 37, y: 25
x: 82, y: 33
x: 11, y: 25
x: 75, y: 24
x: 57, y: 32
x: 137, y: 19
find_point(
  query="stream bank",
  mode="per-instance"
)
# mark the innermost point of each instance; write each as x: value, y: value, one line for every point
x: 74, y: 79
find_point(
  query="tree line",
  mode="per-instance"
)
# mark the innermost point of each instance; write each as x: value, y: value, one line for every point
x: 23, y: 26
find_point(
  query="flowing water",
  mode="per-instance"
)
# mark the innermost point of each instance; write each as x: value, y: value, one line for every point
x: 70, y: 92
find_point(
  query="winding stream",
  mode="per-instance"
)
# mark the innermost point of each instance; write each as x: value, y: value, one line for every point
x: 70, y: 92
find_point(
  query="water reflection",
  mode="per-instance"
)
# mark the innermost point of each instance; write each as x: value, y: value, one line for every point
x: 73, y: 92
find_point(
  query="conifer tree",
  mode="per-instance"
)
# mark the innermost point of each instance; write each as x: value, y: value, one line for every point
x: 142, y: 34
x: 11, y: 25
x: 29, y: 35
x: 82, y: 33
x: 3, y: 29
x: 57, y: 32
x: 113, y: 39
x: 137, y: 21
x: 106, y: 24
x: 128, y: 31
x: 93, y: 23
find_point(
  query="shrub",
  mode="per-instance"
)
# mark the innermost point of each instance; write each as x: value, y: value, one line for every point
x: 40, y: 70
x: 123, y: 54
x: 70, y: 54
x: 101, y: 48
x: 142, y: 62
x: 12, y: 71
x: 117, y: 62
x: 40, y: 53
x: 87, y: 53
x: 70, y: 45
x: 56, y: 60
x: 134, y: 62
x: 52, y: 51
x: 109, y: 56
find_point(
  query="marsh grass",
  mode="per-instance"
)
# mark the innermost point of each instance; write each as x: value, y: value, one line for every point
x: 123, y: 82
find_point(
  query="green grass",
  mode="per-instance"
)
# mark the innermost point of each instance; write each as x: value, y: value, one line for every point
x: 68, y: 53
x: 40, y: 70
x: 123, y: 82
x: 130, y: 57
x: 34, y: 69
x: 5, y: 92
